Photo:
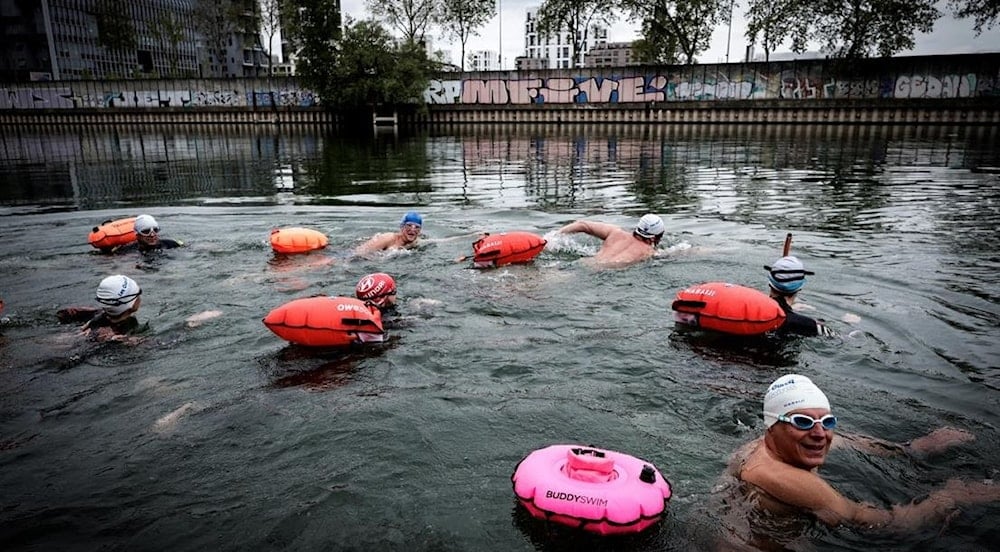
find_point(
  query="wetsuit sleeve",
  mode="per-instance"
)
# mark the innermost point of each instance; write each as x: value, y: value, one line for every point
x: 167, y: 243
x: 799, y: 324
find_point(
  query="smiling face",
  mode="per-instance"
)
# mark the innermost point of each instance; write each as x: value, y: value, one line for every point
x: 802, y: 448
x: 410, y: 232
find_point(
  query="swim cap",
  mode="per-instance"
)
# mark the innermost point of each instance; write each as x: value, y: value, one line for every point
x: 649, y: 226
x: 145, y: 222
x: 787, y: 274
x: 412, y: 217
x: 117, y: 294
x: 791, y: 392
x: 375, y: 288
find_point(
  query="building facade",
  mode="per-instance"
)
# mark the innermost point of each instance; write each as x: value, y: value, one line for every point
x: 107, y: 39
x: 610, y: 54
x: 484, y: 60
x: 558, y: 48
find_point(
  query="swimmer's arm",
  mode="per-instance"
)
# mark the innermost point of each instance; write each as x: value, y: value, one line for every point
x: 76, y: 314
x: 378, y: 242
x: 807, y: 490
x: 939, y: 440
x: 596, y: 229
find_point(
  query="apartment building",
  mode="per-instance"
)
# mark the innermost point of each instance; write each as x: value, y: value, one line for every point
x: 106, y: 39
x: 610, y: 54
x: 484, y: 60
x: 557, y: 48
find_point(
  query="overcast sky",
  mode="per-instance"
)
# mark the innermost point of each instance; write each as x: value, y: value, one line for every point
x: 950, y: 36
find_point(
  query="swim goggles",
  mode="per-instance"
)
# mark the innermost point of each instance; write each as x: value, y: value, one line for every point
x: 150, y: 231
x: 805, y: 423
x: 116, y: 301
x: 411, y: 225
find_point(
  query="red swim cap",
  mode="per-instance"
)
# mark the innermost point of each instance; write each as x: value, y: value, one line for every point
x: 375, y: 288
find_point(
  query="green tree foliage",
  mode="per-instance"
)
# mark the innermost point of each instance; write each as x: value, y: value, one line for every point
x: 462, y: 18
x: 371, y: 69
x: 676, y: 30
x: 577, y: 17
x: 863, y: 28
x: 983, y: 12
x: 771, y: 23
x: 313, y: 28
x: 410, y: 18
x: 115, y: 31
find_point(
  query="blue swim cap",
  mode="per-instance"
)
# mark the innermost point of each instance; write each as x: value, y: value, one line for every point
x: 412, y: 217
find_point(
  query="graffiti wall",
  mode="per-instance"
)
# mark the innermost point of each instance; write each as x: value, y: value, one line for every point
x: 939, y: 77
x: 229, y: 93
x: 930, y: 77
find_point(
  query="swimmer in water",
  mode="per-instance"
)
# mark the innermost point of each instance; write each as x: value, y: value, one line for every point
x: 120, y: 298
x: 407, y: 238
x: 780, y: 469
x: 785, y: 277
x: 621, y: 247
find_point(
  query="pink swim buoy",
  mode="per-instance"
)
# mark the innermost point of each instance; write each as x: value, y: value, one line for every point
x: 599, y: 491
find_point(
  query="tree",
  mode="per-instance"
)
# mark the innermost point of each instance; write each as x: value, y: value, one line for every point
x: 855, y: 29
x: 115, y: 31
x: 576, y: 17
x: 372, y: 70
x: 217, y: 21
x: 410, y: 17
x: 776, y: 20
x: 676, y: 30
x: 168, y: 30
x: 984, y: 12
x: 270, y: 23
x: 313, y: 28
x: 461, y: 18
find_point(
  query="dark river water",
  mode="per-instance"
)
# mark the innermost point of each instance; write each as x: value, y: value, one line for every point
x: 220, y: 436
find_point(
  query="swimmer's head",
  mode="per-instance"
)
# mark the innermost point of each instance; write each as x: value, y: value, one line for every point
x: 118, y: 294
x: 412, y: 217
x: 789, y: 393
x: 378, y: 289
x: 787, y: 275
x: 650, y: 227
x: 146, y: 225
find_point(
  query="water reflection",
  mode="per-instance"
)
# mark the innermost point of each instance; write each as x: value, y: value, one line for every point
x: 725, y: 170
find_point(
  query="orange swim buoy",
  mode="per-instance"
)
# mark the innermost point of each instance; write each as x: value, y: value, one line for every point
x: 727, y: 308
x: 297, y: 240
x: 113, y: 233
x: 326, y: 322
x: 494, y: 250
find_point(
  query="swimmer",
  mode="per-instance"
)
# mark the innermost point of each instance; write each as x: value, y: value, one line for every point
x: 620, y: 247
x: 120, y: 298
x: 378, y: 289
x: 779, y: 469
x: 784, y: 279
x: 407, y: 237
x: 147, y: 233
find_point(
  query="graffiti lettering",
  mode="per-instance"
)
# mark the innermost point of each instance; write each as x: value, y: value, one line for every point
x: 594, y: 87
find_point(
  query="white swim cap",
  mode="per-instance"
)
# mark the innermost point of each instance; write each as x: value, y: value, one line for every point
x: 650, y: 226
x: 117, y: 294
x: 791, y: 392
x: 787, y: 274
x: 144, y: 223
